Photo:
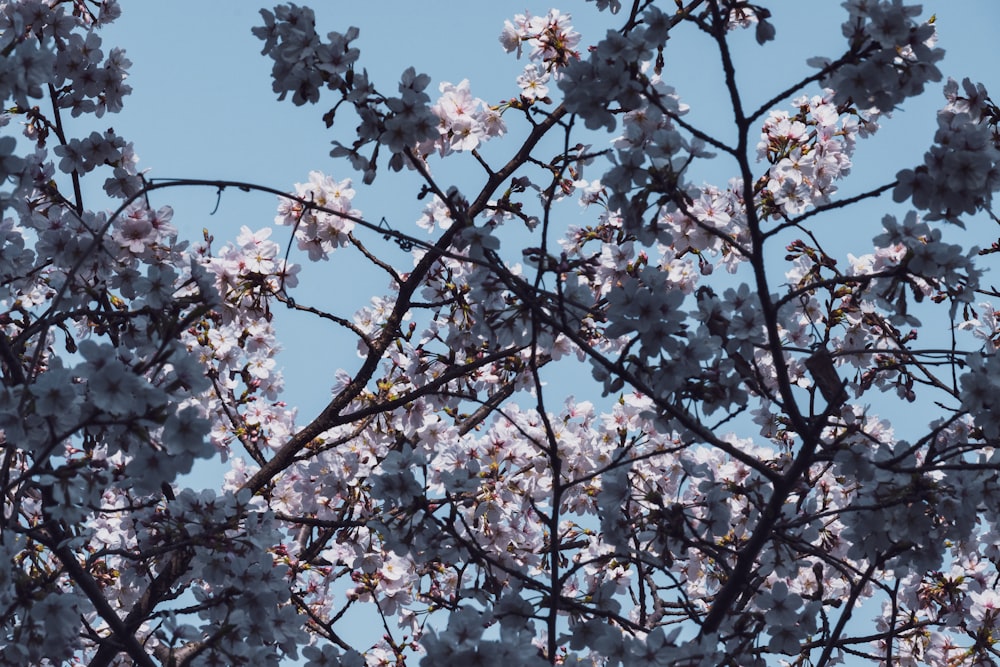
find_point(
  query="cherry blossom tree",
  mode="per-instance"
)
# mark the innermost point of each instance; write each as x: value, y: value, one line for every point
x: 734, y: 497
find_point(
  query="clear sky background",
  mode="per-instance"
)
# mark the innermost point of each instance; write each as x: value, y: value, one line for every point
x: 202, y: 107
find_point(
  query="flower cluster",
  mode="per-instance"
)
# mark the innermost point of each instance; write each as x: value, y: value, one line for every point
x: 945, y: 268
x: 303, y: 63
x: 464, y: 121
x: 808, y: 153
x: 321, y: 215
x: 962, y: 170
x: 92, y: 83
x: 894, y: 56
x: 979, y: 393
x: 552, y: 41
x: 411, y: 121
x: 611, y: 73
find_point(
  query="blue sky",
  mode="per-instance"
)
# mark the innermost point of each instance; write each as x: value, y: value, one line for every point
x: 202, y: 107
